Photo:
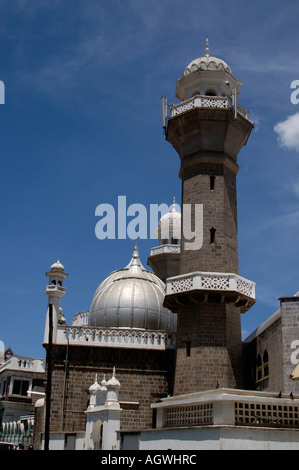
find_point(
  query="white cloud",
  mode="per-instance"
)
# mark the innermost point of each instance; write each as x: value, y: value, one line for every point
x: 288, y: 132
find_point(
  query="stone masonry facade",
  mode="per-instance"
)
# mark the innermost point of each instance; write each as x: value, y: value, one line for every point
x: 219, y: 213
x: 276, y: 342
x: 145, y: 377
x: 209, y: 353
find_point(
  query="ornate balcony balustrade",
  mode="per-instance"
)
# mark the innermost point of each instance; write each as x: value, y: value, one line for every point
x: 238, y: 289
x: 202, y: 101
x: 157, y: 250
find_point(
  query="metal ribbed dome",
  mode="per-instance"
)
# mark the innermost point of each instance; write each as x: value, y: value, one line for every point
x: 131, y: 297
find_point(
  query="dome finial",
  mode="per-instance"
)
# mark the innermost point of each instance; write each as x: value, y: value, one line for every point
x: 136, y: 251
x: 207, y: 47
x: 173, y: 204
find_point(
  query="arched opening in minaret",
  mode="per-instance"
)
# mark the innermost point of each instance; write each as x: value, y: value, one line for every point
x: 212, y: 235
x: 259, y: 367
x: 188, y: 347
x: 210, y: 93
x: 266, y: 363
x: 212, y: 182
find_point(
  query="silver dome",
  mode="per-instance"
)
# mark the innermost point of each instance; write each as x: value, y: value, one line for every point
x: 131, y: 297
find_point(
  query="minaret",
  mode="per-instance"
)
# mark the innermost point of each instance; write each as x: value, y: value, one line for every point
x: 54, y: 291
x: 208, y: 129
x: 165, y: 258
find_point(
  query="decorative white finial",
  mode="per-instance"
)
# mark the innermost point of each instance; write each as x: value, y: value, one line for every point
x: 207, y: 48
x: 173, y: 204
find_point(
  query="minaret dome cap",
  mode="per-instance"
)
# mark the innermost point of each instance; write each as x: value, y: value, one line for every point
x: 207, y: 62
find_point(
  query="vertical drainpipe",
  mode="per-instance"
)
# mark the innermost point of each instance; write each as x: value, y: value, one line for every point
x: 64, y: 385
x: 49, y: 380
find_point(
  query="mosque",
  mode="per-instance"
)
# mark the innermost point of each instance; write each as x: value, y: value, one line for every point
x: 158, y: 362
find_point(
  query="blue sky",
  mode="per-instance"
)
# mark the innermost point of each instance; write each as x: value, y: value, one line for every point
x: 81, y: 125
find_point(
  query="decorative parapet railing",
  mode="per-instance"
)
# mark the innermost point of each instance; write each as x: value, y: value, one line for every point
x: 228, y: 407
x: 202, y: 101
x: 157, y: 250
x: 200, y: 286
x: 210, y: 281
x: 80, y: 319
x: 115, y: 337
x: 22, y: 363
x: 18, y: 431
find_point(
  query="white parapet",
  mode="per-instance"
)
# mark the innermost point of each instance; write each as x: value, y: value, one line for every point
x: 115, y: 337
x: 167, y: 248
x: 228, y: 407
x: 202, y: 101
x: 200, y: 280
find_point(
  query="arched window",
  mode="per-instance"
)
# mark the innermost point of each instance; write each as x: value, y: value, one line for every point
x: 210, y: 93
x: 259, y: 369
x: 266, y: 363
x: 188, y: 347
x: 212, y: 182
x: 212, y: 235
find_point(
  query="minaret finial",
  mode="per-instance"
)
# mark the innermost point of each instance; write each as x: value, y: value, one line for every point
x: 207, y: 47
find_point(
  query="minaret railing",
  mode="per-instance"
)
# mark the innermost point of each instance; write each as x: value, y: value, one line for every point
x: 203, y: 101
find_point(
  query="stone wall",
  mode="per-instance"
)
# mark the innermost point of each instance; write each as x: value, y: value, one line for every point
x: 289, y: 307
x: 276, y: 337
x: 219, y: 213
x: 214, y: 358
x: 145, y: 376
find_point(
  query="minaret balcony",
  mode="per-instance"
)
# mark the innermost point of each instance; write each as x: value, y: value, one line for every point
x: 203, y: 101
x: 55, y: 291
x: 209, y: 287
x: 167, y: 248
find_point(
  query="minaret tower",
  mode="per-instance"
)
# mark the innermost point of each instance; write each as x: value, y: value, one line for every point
x: 54, y: 291
x: 208, y: 129
x: 165, y: 258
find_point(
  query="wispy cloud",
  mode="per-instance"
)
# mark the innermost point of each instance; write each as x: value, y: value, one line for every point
x: 288, y: 132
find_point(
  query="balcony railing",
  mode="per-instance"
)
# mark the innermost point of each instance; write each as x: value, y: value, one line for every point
x: 207, y: 281
x: 202, y: 101
x: 157, y: 250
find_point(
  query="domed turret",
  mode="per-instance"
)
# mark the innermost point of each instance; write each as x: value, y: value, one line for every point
x: 206, y: 76
x: 165, y: 258
x: 169, y: 229
x: 131, y: 297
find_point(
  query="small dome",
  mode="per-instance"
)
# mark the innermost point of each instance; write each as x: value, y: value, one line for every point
x: 113, y: 382
x: 170, y: 224
x: 171, y: 217
x: 207, y: 63
x: 95, y: 386
x: 57, y: 266
x: 131, y: 297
